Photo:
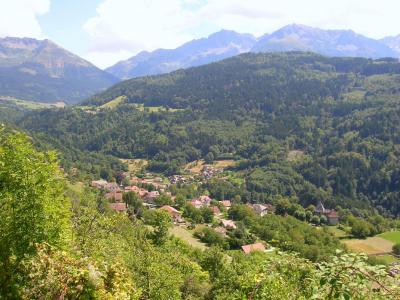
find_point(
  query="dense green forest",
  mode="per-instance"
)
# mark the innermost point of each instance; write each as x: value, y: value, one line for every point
x: 57, y: 243
x: 340, y: 114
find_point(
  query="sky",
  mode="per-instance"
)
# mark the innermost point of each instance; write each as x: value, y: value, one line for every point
x: 106, y: 31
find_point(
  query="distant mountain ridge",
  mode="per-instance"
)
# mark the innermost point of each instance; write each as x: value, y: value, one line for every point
x: 40, y: 70
x: 225, y: 44
x: 326, y: 42
x: 217, y: 46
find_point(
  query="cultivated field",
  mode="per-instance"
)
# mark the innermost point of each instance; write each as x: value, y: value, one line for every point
x: 372, y: 245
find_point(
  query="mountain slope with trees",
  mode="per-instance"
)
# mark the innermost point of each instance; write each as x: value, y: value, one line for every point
x: 341, y: 114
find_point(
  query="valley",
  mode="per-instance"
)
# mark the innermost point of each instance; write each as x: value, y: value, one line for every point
x: 262, y: 174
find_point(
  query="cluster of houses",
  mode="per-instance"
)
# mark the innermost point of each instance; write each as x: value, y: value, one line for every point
x: 209, y: 171
x: 114, y: 193
x: 178, y: 179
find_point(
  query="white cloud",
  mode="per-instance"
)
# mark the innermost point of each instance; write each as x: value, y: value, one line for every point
x: 129, y: 26
x: 19, y: 17
x: 134, y: 25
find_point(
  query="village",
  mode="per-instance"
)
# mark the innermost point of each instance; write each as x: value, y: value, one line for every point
x: 154, y: 192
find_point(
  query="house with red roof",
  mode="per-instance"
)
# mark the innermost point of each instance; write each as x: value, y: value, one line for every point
x: 175, y: 215
x: 247, y: 249
x: 115, y: 196
x: 226, y: 203
x: 331, y: 215
x: 216, y: 211
x: 228, y: 224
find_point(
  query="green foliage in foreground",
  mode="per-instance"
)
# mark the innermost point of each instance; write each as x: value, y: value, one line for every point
x: 108, y: 256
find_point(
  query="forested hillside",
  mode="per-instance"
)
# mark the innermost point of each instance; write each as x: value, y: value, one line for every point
x: 341, y: 115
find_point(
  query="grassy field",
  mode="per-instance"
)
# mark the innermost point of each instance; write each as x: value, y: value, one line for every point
x: 115, y: 102
x: 135, y: 165
x: 340, y: 234
x: 28, y: 104
x: 393, y: 236
x: 187, y: 236
x: 141, y: 107
x: 372, y: 245
x: 388, y: 259
x: 196, y: 166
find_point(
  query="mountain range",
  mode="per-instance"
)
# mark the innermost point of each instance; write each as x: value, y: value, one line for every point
x: 42, y: 71
x: 226, y: 44
x: 217, y: 46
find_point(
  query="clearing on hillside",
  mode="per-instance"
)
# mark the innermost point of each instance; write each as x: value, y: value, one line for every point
x: 371, y: 245
x: 115, y: 102
x: 187, y: 236
x: 195, y: 167
x: 295, y: 155
x: 135, y: 165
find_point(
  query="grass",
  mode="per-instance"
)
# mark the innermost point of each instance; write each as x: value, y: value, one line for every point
x: 115, y: 102
x: 388, y: 259
x: 28, y: 104
x: 195, y: 167
x: 340, y: 234
x: 187, y: 236
x: 392, y: 236
x: 134, y: 165
x: 371, y: 245
x: 141, y: 107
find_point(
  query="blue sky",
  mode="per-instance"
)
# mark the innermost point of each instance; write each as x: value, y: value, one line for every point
x: 106, y: 31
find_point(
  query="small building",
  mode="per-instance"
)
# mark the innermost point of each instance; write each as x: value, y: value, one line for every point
x: 221, y: 230
x: 216, y: 211
x: 116, y: 196
x: 228, y: 224
x: 118, y: 207
x: 226, y: 203
x: 331, y: 215
x: 175, y: 215
x: 196, y: 203
x: 205, y: 200
x: 112, y: 187
x: 247, y: 249
x: 150, y: 197
x: 260, y: 209
x: 98, y: 184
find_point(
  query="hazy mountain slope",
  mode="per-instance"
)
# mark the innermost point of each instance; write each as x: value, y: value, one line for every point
x: 327, y: 42
x: 216, y: 47
x: 42, y: 71
x: 393, y: 42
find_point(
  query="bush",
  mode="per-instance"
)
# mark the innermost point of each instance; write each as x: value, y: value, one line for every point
x: 396, y: 249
